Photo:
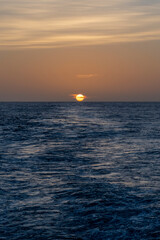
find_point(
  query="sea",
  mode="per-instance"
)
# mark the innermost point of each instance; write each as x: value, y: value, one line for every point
x: 79, y: 171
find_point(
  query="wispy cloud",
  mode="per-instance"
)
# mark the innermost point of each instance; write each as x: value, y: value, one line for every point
x: 85, y: 76
x: 59, y: 23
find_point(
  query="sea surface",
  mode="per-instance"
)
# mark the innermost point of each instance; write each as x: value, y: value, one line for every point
x: 79, y: 171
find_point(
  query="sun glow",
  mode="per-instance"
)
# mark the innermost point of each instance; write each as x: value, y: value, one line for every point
x: 79, y: 97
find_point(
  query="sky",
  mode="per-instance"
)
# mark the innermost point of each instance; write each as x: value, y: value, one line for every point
x: 108, y: 50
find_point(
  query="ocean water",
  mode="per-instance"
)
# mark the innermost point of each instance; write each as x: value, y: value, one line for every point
x: 82, y: 171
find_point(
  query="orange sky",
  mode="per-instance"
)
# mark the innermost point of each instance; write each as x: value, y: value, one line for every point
x: 109, y: 51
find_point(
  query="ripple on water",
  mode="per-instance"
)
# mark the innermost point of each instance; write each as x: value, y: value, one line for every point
x: 79, y: 171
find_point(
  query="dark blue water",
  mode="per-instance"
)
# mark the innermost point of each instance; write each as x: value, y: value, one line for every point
x: 86, y: 171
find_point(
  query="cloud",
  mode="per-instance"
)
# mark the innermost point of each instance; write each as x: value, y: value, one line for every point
x: 61, y: 23
x: 85, y: 76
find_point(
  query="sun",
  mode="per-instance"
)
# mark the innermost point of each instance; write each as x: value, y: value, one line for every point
x: 79, y: 97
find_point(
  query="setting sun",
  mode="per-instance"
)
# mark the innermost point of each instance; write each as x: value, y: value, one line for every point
x: 79, y: 97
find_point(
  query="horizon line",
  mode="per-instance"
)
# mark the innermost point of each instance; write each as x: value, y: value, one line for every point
x: 122, y: 101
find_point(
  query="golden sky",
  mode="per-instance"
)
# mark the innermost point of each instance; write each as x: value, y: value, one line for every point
x: 107, y: 50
